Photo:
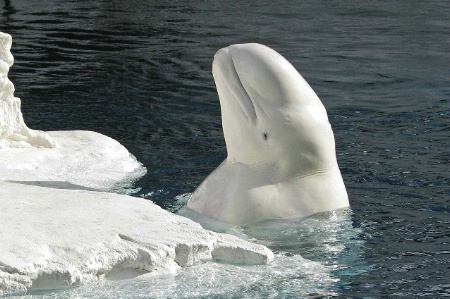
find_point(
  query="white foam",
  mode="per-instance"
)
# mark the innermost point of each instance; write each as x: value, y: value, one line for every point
x: 286, y: 277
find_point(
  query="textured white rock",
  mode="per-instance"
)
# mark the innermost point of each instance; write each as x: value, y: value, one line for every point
x: 56, y: 231
x: 54, y: 238
x: 230, y: 249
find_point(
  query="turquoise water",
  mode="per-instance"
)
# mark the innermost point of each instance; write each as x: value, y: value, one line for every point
x: 140, y: 72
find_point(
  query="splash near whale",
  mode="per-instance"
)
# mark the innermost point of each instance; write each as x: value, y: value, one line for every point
x: 281, y: 161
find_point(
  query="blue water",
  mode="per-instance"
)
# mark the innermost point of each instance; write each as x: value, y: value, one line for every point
x: 140, y: 72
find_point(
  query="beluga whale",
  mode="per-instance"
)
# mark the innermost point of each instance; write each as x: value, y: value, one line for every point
x: 281, y: 160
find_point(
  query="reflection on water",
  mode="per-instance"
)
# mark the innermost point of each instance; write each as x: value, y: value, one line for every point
x: 330, y: 238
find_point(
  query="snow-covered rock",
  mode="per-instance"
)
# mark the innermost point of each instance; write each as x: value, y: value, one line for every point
x: 57, y: 229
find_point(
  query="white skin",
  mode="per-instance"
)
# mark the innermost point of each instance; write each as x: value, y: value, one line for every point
x: 281, y: 159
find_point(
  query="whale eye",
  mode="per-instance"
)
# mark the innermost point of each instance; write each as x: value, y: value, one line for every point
x: 265, y: 136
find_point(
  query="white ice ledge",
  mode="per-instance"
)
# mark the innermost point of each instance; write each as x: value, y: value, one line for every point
x: 53, y: 238
x: 84, y: 158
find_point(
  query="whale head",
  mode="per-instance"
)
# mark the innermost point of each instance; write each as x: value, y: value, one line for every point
x: 281, y: 160
x: 269, y: 111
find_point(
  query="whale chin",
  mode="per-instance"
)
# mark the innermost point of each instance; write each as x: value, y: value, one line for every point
x: 281, y: 159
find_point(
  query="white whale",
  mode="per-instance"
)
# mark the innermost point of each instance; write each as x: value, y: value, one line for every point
x: 281, y: 160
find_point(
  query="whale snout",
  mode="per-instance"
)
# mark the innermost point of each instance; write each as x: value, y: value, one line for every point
x: 232, y: 93
x: 221, y: 52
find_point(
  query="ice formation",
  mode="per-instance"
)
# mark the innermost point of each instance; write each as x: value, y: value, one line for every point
x: 13, y: 131
x: 57, y: 229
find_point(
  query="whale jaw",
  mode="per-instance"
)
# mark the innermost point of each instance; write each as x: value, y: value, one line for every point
x: 281, y: 159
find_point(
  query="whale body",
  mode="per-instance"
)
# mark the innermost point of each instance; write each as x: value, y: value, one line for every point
x: 281, y: 161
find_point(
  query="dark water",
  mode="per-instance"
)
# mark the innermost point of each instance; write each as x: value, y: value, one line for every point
x: 140, y: 72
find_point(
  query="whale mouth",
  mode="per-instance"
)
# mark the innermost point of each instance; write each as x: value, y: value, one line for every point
x: 227, y: 76
x: 245, y: 102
